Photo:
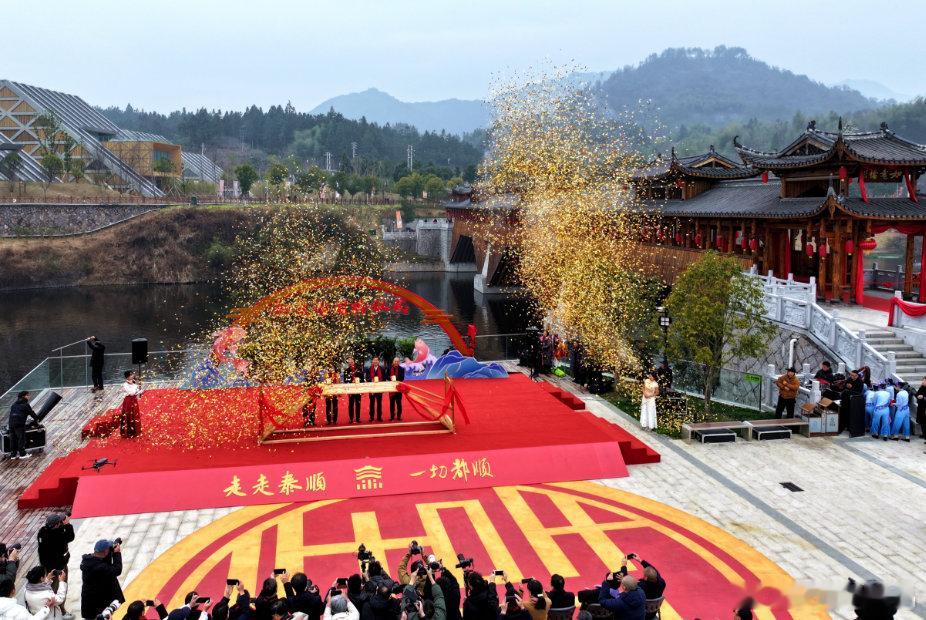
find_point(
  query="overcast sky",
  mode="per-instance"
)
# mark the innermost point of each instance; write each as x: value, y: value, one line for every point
x: 167, y: 54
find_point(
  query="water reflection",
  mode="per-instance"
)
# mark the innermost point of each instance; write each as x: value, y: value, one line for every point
x: 32, y: 322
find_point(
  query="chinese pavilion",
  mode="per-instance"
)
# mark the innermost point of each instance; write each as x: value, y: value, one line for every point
x: 808, y: 209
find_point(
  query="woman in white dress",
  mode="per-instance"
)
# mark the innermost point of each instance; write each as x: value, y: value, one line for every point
x: 648, y: 405
x: 130, y: 423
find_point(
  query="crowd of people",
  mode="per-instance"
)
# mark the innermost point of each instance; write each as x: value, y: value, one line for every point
x: 888, y: 403
x: 423, y: 589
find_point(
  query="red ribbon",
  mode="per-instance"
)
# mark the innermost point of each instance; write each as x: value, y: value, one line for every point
x: 907, y: 307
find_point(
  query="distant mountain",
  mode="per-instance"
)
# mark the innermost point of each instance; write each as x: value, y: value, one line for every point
x: 455, y: 116
x: 691, y: 86
x: 876, y: 90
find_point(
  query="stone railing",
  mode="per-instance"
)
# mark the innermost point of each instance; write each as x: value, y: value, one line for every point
x: 794, y: 304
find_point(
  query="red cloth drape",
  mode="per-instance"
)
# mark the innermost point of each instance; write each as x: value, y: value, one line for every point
x: 861, y: 186
x: 923, y: 270
x: 906, y: 229
x: 859, y: 277
x: 907, y: 307
x: 911, y: 188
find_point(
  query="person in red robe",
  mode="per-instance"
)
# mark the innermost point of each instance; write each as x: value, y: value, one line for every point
x: 130, y: 421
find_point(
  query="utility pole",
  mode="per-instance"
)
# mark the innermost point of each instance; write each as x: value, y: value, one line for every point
x: 328, y: 161
x: 353, y: 150
x: 410, y: 156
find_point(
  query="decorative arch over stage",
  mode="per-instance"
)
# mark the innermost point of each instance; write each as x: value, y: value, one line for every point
x: 432, y: 314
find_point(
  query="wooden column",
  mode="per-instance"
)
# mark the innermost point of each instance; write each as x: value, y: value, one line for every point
x: 766, y: 248
x: 730, y: 238
x: 821, y: 265
x: 838, y: 254
x: 908, y: 266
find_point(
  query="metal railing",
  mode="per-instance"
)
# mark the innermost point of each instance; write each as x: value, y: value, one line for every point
x: 64, y: 371
x: 734, y: 387
x: 508, y: 346
x: 794, y: 304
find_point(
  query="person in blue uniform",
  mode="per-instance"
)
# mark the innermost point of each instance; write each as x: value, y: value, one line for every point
x: 901, y: 421
x: 881, y: 418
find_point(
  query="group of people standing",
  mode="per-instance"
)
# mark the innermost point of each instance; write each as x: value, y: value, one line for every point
x: 374, y: 373
x: 887, y: 404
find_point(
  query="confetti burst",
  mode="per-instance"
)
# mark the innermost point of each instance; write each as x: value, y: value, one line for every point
x: 575, y: 236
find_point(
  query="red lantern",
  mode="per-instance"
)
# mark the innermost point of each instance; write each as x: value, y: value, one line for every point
x: 868, y: 245
x: 809, y: 249
x: 843, y: 173
x: 753, y: 244
x: 680, y: 183
x: 850, y: 247
x: 822, y: 250
x: 765, y: 176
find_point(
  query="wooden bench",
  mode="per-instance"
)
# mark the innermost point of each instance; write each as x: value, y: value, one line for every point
x: 731, y: 425
x: 802, y: 425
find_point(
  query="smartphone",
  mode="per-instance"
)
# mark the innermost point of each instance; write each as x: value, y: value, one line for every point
x: 279, y: 571
x: 232, y: 582
x: 149, y: 603
x: 498, y: 573
x: 527, y: 580
x: 333, y: 592
x: 202, y: 600
x: 342, y: 582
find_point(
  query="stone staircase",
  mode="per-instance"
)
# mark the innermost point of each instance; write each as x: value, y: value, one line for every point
x: 911, y: 365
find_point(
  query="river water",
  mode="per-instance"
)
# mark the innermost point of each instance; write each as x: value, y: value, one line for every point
x: 33, y: 322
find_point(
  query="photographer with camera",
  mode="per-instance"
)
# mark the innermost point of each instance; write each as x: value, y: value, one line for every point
x: 137, y: 609
x: 513, y: 607
x: 39, y: 590
x: 622, y: 597
x: 652, y: 584
x: 9, y: 560
x: 267, y: 597
x: 426, y: 602
x: 53, y: 539
x: 241, y: 610
x: 481, y: 596
x: 100, y: 572
x: 340, y: 607
x: 11, y: 610
x: 194, y: 607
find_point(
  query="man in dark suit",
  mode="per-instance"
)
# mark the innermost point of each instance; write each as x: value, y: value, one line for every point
x: 97, y: 351
x: 353, y: 374
x: 20, y: 413
x: 396, y: 373
x: 374, y: 375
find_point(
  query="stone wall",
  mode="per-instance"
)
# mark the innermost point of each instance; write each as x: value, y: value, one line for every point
x: 34, y: 220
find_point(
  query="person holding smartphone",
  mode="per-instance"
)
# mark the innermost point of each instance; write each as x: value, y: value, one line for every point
x: 137, y: 609
x: 339, y: 607
x: 302, y: 595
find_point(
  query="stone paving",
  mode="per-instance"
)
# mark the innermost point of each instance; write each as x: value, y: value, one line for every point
x: 862, y: 511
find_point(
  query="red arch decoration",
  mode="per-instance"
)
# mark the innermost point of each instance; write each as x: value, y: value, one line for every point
x: 432, y: 314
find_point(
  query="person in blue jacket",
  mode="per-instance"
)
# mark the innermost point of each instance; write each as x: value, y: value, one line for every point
x: 869, y: 408
x: 881, y: 419
x: 629, y: 603
x: 901, y: 422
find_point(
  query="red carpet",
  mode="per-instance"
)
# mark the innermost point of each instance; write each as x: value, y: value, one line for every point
x: 196, y: 431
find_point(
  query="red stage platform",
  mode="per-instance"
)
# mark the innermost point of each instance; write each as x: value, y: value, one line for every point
x: 196, y: 444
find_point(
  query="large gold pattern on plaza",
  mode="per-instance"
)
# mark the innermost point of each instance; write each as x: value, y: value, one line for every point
x: 578, y: 530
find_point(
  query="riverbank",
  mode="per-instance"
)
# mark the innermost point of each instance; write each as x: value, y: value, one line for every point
x: 173, y: 245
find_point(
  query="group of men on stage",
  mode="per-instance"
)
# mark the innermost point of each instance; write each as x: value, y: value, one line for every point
x: 374, y: 373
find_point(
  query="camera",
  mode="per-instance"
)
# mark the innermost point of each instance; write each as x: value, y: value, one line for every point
x: 463, y: 561
x: 363, y: 555
x: 107, y: 613
x: 415, y: 548
x: 409, y: 598
x: 117, y: 541
x: 422, y: 571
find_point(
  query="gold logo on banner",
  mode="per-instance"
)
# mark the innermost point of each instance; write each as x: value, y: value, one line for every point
x: 582, y: 511
x: 369, y: 478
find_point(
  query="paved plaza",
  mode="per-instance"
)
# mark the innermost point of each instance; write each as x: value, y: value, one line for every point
x: 859, y: 513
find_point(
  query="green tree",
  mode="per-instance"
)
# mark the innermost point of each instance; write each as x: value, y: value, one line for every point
x: 53, y: 167
x: 435, y: 186
x: 717, y: 317
x: 76, y: 169
x: 10, y: 166
x: 277, y: 173
x: 246, y: 175
x: 164, y: 165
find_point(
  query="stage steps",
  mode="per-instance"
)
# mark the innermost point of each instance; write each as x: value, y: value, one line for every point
x: 634, y: 451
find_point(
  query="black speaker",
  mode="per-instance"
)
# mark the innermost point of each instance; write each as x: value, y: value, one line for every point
x: 53, y: 399
x: 856, y: 420
x: 139, y: 351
